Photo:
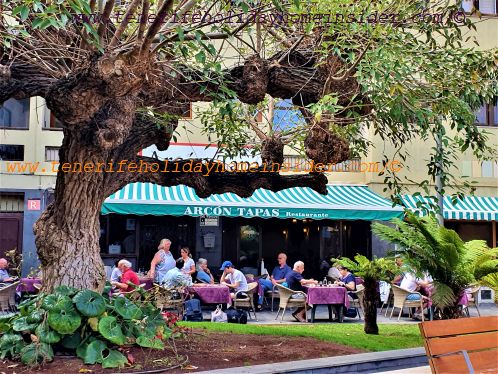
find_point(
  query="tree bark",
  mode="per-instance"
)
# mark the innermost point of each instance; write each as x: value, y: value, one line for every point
x: 67, y: 233
x: 370, y: 306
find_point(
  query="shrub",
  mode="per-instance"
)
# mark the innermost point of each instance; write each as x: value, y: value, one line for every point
x: 87, y: 323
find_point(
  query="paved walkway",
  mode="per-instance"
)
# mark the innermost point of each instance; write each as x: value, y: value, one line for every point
x: 417, y: 370
x: 268, y: 317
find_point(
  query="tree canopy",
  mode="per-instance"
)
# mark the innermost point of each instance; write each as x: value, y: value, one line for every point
x: 118, y: 76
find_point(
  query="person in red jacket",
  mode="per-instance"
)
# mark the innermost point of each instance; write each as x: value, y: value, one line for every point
x: 127, y: 275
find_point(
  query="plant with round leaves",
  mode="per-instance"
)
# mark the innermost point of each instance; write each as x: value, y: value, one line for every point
x: 150, y: 342
x: 72, y: 341
x: 46, y: 335
x: 66, y: 291
x: 36, y: 352
x: 64, y: 321
x: 92, y: 353
x: 36, y: 316
x: 56, y: 301
x: 114, y: 359
x: 111, y: 330
x: 22, y: 324
x: 127, y: 309
x: 11, y: 345
x: 89, y: 303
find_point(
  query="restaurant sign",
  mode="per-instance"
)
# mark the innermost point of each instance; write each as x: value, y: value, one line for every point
x: 249, y: 212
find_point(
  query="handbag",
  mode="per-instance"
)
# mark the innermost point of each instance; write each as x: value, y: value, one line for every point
x: 237, y: 316
x: 219, y: 315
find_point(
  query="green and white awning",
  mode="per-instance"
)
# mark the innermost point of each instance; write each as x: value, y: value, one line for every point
x: 472, y: 208
x: 349, y: 202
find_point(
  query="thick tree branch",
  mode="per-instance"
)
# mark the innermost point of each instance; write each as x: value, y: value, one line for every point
x: 20, y: 81
x: 210, y: 178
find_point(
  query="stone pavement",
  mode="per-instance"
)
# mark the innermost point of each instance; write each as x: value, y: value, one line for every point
x: 268, y: 317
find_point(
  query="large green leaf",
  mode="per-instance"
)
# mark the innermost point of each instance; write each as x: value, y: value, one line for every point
x: 127, y: 309
x: 34, y: 353
x: 7, y: 317
x: 46, y: 335
x: 89, y: 303
x: 52, y: 302
x: 64, y: 321
x: 93, y: 352
x: 22, y: 324
x: 114, y: 359
x: 10, y: 344
x: 66, y: 291
x: 71, y: 341
x: 110, y: 329
x: 150, y: 342
x: 36, y: 316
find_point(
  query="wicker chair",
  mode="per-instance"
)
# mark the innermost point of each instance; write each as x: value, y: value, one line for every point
x: 474, y: 290
x: 286, y: 300
x: 163, y: 298
x: 274, y: 294
x: 8, y: 297
x: 400, y: 301
x: 357, y: 303
x: 247, y: 302
x: 387, y: 304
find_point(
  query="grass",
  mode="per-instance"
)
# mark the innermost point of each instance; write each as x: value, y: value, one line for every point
x: 390, y: 336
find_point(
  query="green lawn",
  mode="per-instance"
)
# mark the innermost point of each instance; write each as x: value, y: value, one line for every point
x: 391, y: 336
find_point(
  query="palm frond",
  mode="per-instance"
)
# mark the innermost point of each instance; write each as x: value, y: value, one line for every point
x: 443, y: 296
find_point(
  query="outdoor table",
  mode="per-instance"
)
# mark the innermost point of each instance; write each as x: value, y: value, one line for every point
x: 148, y: 282
x: 28, y: 285
x: 212, y: 294
x: 332, y: 296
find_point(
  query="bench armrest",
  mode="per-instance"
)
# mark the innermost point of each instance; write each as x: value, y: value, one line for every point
x: 465, y: 356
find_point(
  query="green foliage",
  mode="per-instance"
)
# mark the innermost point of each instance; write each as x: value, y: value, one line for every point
x: 429, y: 248
x: 83, y: 321
x: 383, y: 268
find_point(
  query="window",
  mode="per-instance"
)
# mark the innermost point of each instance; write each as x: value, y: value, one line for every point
x: 286, y: 116
x: 14, y: 114
x: 52, y: 123
x: 188, y: 114
x: 487, y: 115
x: 51, y: 153
x: 489, y: 7
x: 11, y: 152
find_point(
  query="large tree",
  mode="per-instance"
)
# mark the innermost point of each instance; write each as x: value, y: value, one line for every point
x: 119, y: 78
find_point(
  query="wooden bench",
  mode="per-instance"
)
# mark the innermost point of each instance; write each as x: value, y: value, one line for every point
x: 467, y: 345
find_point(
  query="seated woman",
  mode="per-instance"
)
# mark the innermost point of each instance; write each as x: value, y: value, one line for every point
x: 203, y: 273
x: 347, y: 280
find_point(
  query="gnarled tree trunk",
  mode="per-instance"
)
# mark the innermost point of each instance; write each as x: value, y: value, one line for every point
x: 68, y: 232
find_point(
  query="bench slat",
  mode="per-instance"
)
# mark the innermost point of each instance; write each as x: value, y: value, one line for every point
x: 483, y: 362
x: 459, y: 326
x: 473, y: 342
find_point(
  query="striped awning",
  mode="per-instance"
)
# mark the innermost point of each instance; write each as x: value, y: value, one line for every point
x: 472, y: 208
x: 350, y: 202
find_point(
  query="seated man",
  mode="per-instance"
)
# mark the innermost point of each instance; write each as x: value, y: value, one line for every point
x: 4, y: 275
x: 127, y: 275
x: 296, y: 282
x: 411, y: 283
x: 237, y: 280
x: 278, y: 275
x: 176, y: 277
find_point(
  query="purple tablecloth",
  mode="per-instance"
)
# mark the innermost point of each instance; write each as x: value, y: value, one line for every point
x: 27, y: 285
x: 327, y: 295
x: 213, y: 294
x: 148, y: 283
